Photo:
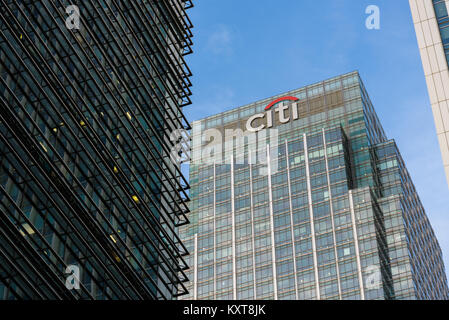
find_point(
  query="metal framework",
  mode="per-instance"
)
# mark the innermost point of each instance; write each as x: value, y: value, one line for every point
x: 85, y: 169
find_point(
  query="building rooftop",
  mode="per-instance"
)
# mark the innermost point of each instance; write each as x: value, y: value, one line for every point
x: 258, y: 106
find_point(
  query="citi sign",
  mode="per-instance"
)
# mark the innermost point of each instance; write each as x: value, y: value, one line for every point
x: 259, y: 142
x: 268, y: 115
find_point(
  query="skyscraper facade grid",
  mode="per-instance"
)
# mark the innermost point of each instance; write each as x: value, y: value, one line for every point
x: 331, y: 213
x: 88, y: 191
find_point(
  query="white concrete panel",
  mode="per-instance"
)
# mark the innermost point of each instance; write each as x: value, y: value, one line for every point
x: 426, y: 33
x: 433, y: 59
x: 425, y: 62
x: 439, y: 87
x: 429, y: 9
x: 444, y: 114
x: 421, y: 10
x: 441, y: 57
x: 444, y: 148
x: 420, y: 36
x: 414, y: 9
x: 431, y: 89
x: 435, y: 31
x: 437, y: 117
x: 445, y: 79
x: 447, y: 173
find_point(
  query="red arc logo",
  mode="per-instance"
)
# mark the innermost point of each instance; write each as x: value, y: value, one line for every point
x: 280, y: 100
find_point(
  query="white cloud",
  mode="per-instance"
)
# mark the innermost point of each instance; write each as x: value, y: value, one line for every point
x: 220, y: 41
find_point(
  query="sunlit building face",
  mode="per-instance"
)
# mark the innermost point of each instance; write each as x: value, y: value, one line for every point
x: 330, y: 211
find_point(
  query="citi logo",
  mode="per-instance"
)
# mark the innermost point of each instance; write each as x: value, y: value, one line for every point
x: 268, y: 116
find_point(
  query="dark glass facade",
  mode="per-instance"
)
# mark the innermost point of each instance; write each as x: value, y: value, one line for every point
x: 86, y: 178
x: 338, y: 219
x: 441, y: 13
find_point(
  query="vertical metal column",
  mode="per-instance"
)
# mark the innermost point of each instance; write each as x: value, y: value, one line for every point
x: 252, y: 228
x: 195, y: 267
x: 215, y: 232
x: 356, y: 243
x: 332, y: 215
x: 312, y: 221
x: 273, y: 245
x: 291, y: 220
x: 234, y: 253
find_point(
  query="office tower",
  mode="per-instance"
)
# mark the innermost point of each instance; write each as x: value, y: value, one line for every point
x: 431, y: 19
x: 87, y: 184
x: 321, y: 206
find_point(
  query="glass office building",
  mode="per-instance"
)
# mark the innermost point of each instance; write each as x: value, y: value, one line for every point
x: 431, y: 21
x: 86, y: 180
x: 331, y: 213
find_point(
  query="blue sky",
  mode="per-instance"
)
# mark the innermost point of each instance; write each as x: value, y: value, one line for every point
x: 247, y: 50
